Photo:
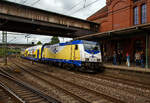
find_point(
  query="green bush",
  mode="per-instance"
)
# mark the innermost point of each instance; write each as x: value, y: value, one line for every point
x: 10, y: 51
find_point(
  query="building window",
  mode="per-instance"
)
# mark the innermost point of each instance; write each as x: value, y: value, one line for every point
x: 135, y: 0
x: 143, y: 13
x: 136, y: 16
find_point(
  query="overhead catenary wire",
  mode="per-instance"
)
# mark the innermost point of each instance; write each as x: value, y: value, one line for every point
x: 74, y: 6
x: 12, y: 39
x: 85, y: 6
x: 24, y: 1
x: 21, y: 1
x: 35, y: 2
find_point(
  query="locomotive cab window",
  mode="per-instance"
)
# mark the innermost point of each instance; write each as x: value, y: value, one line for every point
x: 91, y: 45
x: 76, y: 47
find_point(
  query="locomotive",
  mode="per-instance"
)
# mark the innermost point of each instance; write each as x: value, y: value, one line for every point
x: 80, y: 55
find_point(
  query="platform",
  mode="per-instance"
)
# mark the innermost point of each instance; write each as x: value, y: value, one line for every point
x: 124, y: 67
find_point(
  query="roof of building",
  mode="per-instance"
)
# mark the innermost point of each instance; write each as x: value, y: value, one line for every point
x: 99, y: 13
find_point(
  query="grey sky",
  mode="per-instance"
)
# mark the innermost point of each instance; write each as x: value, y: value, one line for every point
x: 76, y: 8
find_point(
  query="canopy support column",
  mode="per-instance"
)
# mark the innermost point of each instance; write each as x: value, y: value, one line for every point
x: 147, y: 63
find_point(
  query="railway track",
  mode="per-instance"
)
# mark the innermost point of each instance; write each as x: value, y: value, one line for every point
x: 134, y: 88
x: 124, y: 80
x: 23, y: 92
x: 119, y: 85
x: 8, y: 96
x: 123, y: 91
x: 78, y: 98
x: 109, y: 78
x: 86, y: 94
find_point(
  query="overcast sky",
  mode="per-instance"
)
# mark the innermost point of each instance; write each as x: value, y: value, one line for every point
x: 76, y: 8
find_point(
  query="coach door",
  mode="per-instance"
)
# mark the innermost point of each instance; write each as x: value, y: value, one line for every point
x: 76, y: 55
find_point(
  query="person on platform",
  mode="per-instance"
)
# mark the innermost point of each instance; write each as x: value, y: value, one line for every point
x: 128, y: 59
x: 114, y: 58
x: 142, y: 59
x: 105, y: 57
x: 119, y: 57
x: 137, y: 58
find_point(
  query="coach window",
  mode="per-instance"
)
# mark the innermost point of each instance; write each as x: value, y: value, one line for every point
x: 143, y: 13
x: 136, y: 16
x: 76, y: 47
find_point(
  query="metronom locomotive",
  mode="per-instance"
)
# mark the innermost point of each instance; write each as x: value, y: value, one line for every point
x: 78, y: 55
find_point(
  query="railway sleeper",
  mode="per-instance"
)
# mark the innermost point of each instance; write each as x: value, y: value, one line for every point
x: 18, y: 90
x: 4, y: 97
x: 36, y: 100
x: 23, y: 91
x: 24, y: 94
x: 4, y: 94
x: 32, y: 97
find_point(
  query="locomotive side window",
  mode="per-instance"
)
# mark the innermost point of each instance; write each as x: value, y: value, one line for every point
x: 76, y: 47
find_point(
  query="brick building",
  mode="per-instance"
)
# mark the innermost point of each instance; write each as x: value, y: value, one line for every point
x: 123, y: 15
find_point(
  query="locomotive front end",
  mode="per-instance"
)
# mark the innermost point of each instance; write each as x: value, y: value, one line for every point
x: 92, y: 55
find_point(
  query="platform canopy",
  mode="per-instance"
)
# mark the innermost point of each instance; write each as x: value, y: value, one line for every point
x: 125, y: 32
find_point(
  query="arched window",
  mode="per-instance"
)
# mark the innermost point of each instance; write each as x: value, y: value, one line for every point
x: 143, y: 13
x: 136, y: 16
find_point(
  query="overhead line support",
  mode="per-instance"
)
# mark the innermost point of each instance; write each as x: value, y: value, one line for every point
x: 4, y: 42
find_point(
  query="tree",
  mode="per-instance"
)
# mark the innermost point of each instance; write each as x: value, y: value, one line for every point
x: 54, y: 40
x: 39, y: 42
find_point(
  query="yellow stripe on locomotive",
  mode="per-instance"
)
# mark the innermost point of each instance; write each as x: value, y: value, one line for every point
x: 66, y: 52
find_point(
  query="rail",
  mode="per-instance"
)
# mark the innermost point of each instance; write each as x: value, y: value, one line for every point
x: 11, y: 93
x: 28, y: 87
